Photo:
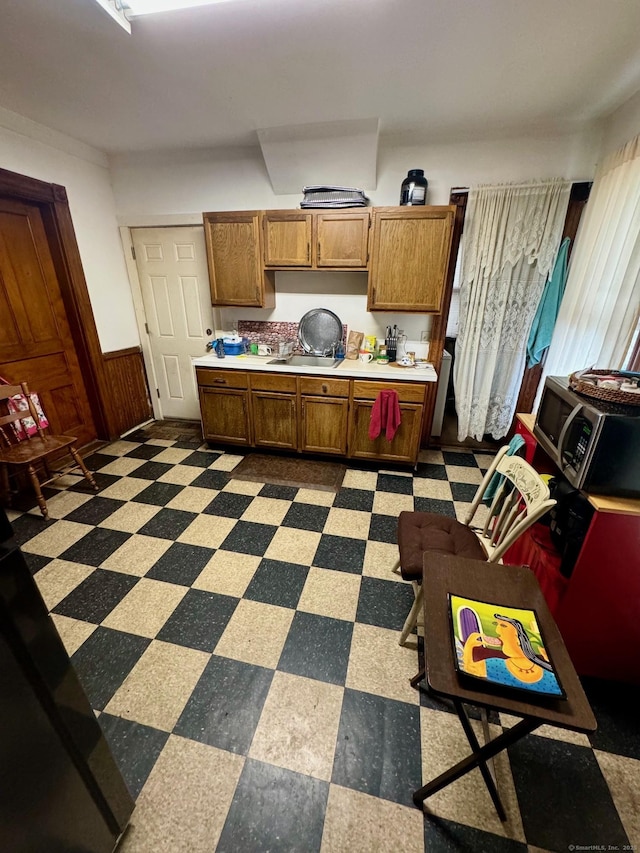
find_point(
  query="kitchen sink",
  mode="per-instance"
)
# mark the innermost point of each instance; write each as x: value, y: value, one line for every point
x: 308, y: 361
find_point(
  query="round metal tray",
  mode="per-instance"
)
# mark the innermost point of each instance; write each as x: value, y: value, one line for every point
x: 320, y: 332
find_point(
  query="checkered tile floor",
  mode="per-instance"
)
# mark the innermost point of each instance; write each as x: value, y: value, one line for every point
x: 240, y: 644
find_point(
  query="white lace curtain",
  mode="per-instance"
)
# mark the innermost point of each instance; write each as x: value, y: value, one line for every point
x: 511, y: 238
x: 602, y: 296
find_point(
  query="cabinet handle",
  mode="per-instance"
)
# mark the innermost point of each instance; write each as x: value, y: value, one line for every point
x: 308, y: 250
x: 319, y: 250
x: 324, y: 389
x: 220, y: 381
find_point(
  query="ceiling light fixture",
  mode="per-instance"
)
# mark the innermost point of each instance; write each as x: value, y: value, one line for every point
x: 116, y: 8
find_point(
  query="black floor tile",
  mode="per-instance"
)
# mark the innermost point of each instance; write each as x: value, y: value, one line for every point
x: 95, y: 461
x: 201, y: 458
x: 391, y: 483
x: 158, y: 494
x: 453, y: 457
x: 135, y: 748
x: 274, y: 811
x: 95, y: 546
x: 152, y: 470
x: 188, y: 443
x: 247, y: 537
x: 27, y: 526
x: 384, y: 528
x: 226, y: 704
x: 199, y: 620
x: 434, y: 505
x: 35, y: 561
x: 384, y: 603
x: 276, y: 582
x: 95, y: 510
x: 145, y: 451
x: 447, y: 836
x: 378, y: 747
x: 181, y: 564
x: 616, y: 708
x: 464, y: 491
x: 168, y: 523
x: 361, y: 499
x: 96, y: 596
x: 228, y: 504
x: 211, y: 480
x: 340, y: 553
x: 101, y: 480
x: 431, y: 471
x: 572, y: 808
x: 317, y: 647
x: 306, y: 517
x: 283, y: 493
x: 104, y: 660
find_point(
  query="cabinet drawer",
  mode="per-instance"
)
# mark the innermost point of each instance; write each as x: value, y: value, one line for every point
x: 273, y: 382
x: 407, y: 393
x: 321, y: 386
x: 221, y: 378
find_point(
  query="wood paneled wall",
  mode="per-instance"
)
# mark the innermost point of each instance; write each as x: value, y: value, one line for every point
x: 128, y: 400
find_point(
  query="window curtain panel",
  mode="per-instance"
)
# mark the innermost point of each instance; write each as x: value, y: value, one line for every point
x: 511, y: 239
x: 600, y: 307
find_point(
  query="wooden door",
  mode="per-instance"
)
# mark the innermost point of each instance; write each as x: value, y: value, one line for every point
x: 409, y: 258
x: 234, y: 258
x: 324, y: 425
x: 274, y: 420
x: 172, y: 270
x: 343, y: 240
x: 287, y: 239
x: 406, y: 442
x: 225, y: 415
x: 35, y: 338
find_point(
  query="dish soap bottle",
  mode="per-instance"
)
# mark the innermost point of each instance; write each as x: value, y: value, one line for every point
x: 414, y: 188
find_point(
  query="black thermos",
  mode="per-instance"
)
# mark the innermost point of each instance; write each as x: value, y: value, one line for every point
x: 414, y: 188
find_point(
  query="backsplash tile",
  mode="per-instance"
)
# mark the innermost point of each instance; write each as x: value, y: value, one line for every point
x: 265, y: 332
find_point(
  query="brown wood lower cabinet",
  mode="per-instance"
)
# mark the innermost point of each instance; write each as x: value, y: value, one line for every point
x: 275, y: 420
x: 310, y: 414
x: 406, y: 442
x: 225, y: 415
x: 324, y: 425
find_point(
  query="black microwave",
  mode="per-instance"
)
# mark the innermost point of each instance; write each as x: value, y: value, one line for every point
x: 596, y: 445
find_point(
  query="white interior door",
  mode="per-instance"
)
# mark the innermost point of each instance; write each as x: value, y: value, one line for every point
x: 172, y: 268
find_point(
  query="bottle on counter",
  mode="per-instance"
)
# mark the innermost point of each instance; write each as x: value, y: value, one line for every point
x: 413, y: 190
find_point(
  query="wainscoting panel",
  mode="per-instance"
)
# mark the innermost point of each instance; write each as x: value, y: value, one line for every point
x: 129, y: 403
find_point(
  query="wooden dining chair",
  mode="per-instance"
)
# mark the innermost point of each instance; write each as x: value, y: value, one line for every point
x: 518, y: 498
x: 21, y: 451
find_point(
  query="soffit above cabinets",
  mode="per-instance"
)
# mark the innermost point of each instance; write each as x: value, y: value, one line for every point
x: 337, y: 153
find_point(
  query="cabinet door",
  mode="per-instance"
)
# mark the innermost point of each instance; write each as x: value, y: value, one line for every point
x: 274, y: 420
x: 342, y: 240
x: 409, y: 258
x: 225, y: 415
x: 406, y: 442
x: 324, y: 425
x: 233, y: 255
x: 287, y: 239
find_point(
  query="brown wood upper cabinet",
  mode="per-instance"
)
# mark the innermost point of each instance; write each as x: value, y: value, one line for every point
x: 410, y: 258
x: 316, y: 240
x: 234, y: 255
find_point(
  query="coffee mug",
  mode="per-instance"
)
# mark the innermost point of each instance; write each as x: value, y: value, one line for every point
x: 264, y: 349
x: 365, y: 356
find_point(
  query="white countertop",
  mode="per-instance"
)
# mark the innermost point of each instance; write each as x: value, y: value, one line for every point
x: 353, y: 369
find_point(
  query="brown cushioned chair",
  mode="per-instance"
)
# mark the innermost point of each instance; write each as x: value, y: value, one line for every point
x: 521, y: 498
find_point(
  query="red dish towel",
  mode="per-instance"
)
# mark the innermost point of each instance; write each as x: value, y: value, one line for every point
x: 385, y: 415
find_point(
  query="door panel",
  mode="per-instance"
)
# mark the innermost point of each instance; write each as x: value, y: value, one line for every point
x: 324, y: 425
x: 172, y: 268
x: 225, y: 415
x: 274, y: 420
x: 343, y: 240
x: 35, y: 338
x: 405, y: 445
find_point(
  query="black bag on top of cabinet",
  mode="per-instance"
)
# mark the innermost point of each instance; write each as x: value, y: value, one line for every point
x: 569, y: 521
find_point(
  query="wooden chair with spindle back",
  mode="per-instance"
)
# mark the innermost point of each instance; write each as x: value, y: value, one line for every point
x: 21, y: 451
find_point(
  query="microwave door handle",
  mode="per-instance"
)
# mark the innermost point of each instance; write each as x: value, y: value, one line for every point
x: 563, y: 434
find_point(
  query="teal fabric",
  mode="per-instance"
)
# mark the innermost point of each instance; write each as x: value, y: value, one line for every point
x: 494, y: 483
x: 547, y: 313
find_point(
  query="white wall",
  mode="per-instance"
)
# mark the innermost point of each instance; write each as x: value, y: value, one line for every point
x: 175, y: 188
x: 621, y: 126
x: 35, y: 151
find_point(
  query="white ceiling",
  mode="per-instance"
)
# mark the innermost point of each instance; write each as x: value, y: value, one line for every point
x: 213, y: 76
